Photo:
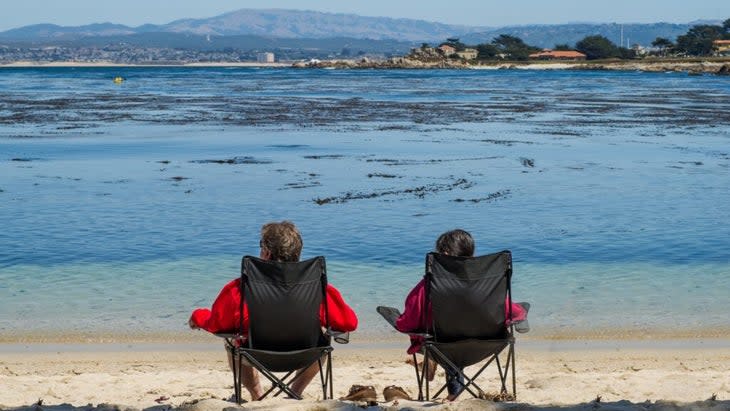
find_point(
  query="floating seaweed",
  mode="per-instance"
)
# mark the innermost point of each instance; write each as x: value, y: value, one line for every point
x: 418, y: 192
x: 488, y: 199
x: 324, y: 156
x: 234, y: 160
x: 527, y: 162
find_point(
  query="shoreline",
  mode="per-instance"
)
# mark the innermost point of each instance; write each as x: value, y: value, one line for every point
x: 711, y: 66
x: 215, y: 345
x: 371, y: 337
x: 67, y: 64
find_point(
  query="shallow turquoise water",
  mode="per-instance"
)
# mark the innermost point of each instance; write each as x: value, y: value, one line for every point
x: 611, y: 189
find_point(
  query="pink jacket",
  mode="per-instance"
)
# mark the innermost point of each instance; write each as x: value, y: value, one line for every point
x: 412, y: 319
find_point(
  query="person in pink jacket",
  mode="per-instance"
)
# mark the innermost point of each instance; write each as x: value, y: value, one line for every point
x: 455, y: 243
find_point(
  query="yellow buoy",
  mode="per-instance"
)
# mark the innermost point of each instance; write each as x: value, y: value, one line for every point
x: 118, y: 79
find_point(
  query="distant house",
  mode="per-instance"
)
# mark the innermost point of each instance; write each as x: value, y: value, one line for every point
x: 721, y: 47
x: 265, y: 57
x: 468, y: 54
x: 446, y: 49
x: 548, y: 54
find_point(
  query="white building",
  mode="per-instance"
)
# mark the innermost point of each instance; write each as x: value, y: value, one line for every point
x: 265, y: 57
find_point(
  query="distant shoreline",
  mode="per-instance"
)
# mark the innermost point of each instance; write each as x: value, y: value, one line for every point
x: 31, y: 64
x: 707, y: 66
x: 715, y: 66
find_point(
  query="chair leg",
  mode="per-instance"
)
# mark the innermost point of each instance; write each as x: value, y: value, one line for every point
x: 419, y: 378
x: 236, y: 370
x: 277, y: 383
x: 326, y: 376
x: 424, y: 371
x: 502, y: 374
x: 514, y: 370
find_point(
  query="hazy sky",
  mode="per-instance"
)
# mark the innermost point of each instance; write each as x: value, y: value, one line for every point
x: 17, y: 13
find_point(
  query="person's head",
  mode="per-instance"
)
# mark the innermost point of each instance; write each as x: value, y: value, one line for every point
x: 280, y: 242
x: 458, y: 243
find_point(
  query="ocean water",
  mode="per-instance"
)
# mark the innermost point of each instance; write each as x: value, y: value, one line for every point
x: 123, y: 207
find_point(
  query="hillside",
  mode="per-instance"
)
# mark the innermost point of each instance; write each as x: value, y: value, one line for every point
x: 547, y: 36
x: 266, y: 22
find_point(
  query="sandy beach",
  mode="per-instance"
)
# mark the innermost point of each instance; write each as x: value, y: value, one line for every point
x: 576, y: 374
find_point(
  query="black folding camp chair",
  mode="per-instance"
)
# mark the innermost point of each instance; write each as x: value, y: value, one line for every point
x: 467, y: 327
x: 284, y: 332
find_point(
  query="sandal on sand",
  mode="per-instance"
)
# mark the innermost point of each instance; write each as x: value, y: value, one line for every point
x: 394, y: 392
x: 361, y: 393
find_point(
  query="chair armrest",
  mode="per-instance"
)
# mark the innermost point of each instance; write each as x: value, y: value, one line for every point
x: 340, y: 337
x: 391, y: 316
x: 523, y: 326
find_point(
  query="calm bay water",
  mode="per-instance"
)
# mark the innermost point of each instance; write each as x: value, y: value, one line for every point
x: 124, y: 207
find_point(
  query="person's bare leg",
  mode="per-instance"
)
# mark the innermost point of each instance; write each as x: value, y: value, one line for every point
x: 249, y: 379
x: 304, y: 377
x: 431, y: 372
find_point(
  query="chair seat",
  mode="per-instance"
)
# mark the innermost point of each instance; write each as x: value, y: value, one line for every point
x: 283, y: 361
x: 468, y: 352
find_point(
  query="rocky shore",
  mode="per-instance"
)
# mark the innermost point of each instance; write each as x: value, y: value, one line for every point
x: 721, y: 67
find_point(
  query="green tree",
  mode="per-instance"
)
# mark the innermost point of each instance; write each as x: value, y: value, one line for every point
x: 726, y: 26
x: 562, y: 47
x: 663, y: 45
x: 455, y: 43
x: 625, y: 53
x: 487, y: 51
x: 513, y: 47
x: 597, y: 47
x: 698, y: 40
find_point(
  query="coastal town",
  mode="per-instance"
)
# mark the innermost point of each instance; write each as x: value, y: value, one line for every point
x: 703, y: 48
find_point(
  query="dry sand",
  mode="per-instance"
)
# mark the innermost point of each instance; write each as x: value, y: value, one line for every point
x: 606, y: 375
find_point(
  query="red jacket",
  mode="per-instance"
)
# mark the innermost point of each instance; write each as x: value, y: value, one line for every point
x: 224, y: 315
x: 412, y: 319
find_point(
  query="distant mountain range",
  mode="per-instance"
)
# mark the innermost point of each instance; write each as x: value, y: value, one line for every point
x: 270, y: 22
x: 284, y: 26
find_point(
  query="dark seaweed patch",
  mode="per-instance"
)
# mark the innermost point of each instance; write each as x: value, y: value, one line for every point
x: 164, y: 161
x: 179, y: 178
x: 508, y: 143
x: 418, y: 192
x: 301, y: 185
x: 397, y: 162
x: 382, y: 175
x: 324, y: 156
x: 527, y: 162
x: 25, y: 159
x: 569, y: 133
x: 695, y: 163
x: 288, y: 146
x: 488, y: 199
x: 234, y: 160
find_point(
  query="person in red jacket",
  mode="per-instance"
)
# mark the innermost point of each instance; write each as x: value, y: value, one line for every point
x: 455, y: 243
x: 279, y: 242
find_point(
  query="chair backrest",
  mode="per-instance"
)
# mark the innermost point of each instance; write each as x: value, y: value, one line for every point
x: 467, y: 295
x: 283, y: 301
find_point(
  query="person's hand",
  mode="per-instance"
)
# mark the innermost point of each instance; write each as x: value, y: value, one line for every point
x: 192, y: 324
